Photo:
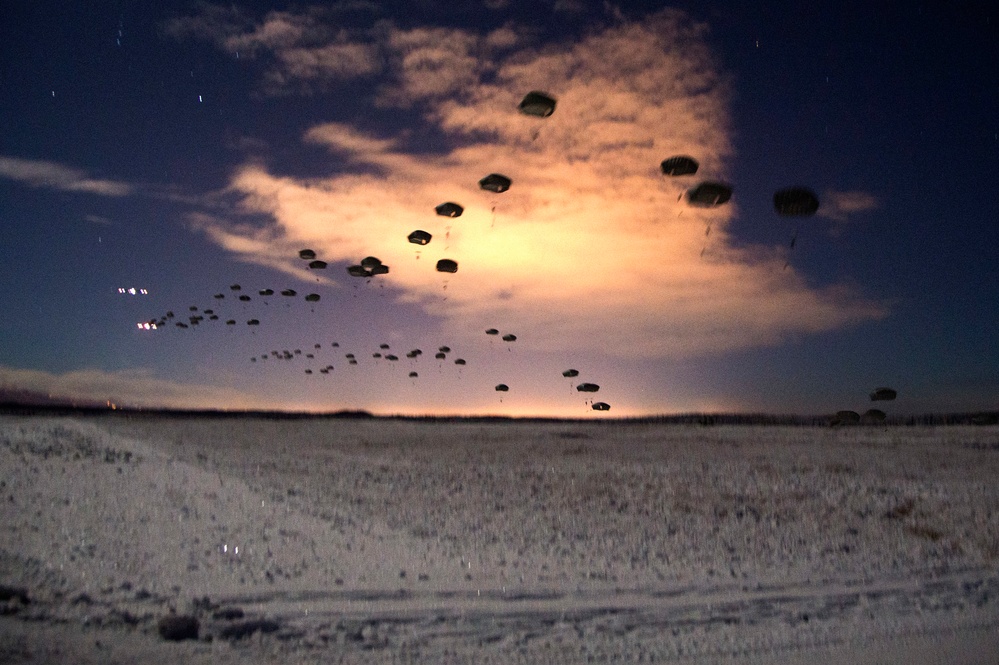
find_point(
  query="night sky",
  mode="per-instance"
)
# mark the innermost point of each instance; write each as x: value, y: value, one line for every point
x: 183, y: 148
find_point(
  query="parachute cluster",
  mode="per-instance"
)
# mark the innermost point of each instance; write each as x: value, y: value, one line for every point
x: 869, y: 417
x: 233, y: 306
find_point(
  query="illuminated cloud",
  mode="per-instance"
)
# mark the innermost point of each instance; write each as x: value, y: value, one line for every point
x: 841, y: 206
x: 591, y: 247
x: 49, y: 175
x: 136, y: 388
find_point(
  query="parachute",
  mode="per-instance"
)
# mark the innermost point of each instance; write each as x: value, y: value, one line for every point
x: 244, y: 298
x: 419, y: 237
x: 492, y: 331
x: 444, y: 349
x: 509, y: 338
x: 413, y: 375
x: 569, y: 373
x: 358, y: 271
x: 370, y: 262
x: 538, y: 104
x: 796, y: 202
x: 873, y: 416
x: 601, y: 406
x: 494, y: 182
x: 312, y: 297
x: 235, y: 287
x: 317, y: 265
x: 459, y: 361
x: 266, y: 292
x: 449, y: 209
x: 306, y: 254
x: 883, y: 394
x: 289, y: 292
x: 253, y: 322
x: 846, y: 418
x: 679, y: 165
x: 447, y: 265
x: 587, y: 387
x: 502, y: 387
x: 709, y: 194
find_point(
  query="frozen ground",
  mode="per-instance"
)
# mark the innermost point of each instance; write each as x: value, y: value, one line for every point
x: 397, y: 541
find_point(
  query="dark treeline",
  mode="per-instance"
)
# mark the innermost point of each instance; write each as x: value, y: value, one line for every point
x: 702, y: 419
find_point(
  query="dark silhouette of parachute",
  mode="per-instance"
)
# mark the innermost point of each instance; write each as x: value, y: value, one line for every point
x: 266, y: 292
x: 709, y: 194
x: 413, y: 375
x: 509, y: 338
x: 679, y: 165
x: 317, y: 265
x: 459, y: 361
x: 449, y: 209
x: 370, y: 262
x: 492, y: 331
x: 569, y: 373
x: 873, y: 416
x: 846, y: 418
x: 447, y: 265
x: 883, y: 394
x: 244, y: 298
x: 358, y: 271
x: 502, y: 388
x: 235, y: 287
x: 289, y: 293
x: 219, y: 296
x: 587, y: 387
x: 444, y: 349
x: 538, y: 104
x: 494, y: 182
x: 419, y: 237
x: 253, y: 322
x: 601, y: 406
x: 796, y: 202
x: 312, y: 297
x: 306, y: 254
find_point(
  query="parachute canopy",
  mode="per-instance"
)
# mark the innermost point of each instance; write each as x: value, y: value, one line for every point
x: 492, y: 331
x: 369, y: 262
x: 447, y: 265
x: 509, y: 338
x: 419, y: 237
x: 679, y: 165
x: 709, y: 194
x: 317, y: 265
x: 312, y: 297
x: 266, y: 292
x: 883, y: 394
x: 796, y: 201
x: 570, y: 373
x: 587, y: 387
x: 494, y: 182
x: 537, y: 103
x: 502, y: 387
x: 306, y: 254
x: 601, y: 406
x: 289, y: 292
x: 449, y: 209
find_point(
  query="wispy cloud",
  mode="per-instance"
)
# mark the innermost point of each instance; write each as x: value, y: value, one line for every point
x: 129, y: 387
x: 590, y: 247
x: 50, y: 175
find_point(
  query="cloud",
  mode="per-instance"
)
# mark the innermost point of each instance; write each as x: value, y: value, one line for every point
x: 129, y: 388
x: 50, y: 175
x: 840, y: 207
x: 591, y: 246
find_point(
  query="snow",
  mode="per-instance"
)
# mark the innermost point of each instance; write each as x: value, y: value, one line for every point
x: 385, y: 540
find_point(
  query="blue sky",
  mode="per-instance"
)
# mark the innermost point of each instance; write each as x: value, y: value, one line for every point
x: 194, y: 146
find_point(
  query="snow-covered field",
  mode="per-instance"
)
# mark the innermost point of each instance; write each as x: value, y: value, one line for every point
x: 331, y: 540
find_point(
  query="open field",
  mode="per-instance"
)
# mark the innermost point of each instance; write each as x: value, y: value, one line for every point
x: 326, y: 540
